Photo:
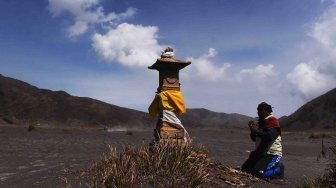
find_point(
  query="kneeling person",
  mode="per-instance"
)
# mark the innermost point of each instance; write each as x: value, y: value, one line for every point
x: 264, y: 161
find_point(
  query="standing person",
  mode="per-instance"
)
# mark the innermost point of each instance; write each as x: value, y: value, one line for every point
x: 264, y: 161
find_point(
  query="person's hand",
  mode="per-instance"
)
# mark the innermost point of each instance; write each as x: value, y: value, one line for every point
x: 253, y: 126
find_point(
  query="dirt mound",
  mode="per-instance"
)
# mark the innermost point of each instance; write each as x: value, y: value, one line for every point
x: 165, y: 164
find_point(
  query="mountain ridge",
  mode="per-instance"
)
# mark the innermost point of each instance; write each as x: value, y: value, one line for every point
x: 203, y: 118
x: 319, y: 113
x: 22, y: 103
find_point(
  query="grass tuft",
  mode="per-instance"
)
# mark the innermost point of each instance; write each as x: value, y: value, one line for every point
x: 162, y: 165
x: 328, y: 179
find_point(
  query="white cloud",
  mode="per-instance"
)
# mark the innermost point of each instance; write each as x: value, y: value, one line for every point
x: 309, y: 81
x: 316, y: 77
x: 258, y: 79
x: 203, y: 67
x: 324, y: 33
x: 128, y: 44
x: 76, y: 7
x: 86, y: 13
x: 78, y: 28
x: 324, y: 30
x: 259, y: 73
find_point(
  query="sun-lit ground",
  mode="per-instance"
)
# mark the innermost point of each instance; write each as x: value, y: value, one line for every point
x: 39, y: 157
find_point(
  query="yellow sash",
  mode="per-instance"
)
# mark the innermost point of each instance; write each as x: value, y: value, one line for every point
x: 167, y: 100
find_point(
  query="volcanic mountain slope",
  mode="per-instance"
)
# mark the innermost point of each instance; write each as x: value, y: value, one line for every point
x: 21, y: 102
x: 320, y: 113
x: 24, y: 103
x: 203, y: 118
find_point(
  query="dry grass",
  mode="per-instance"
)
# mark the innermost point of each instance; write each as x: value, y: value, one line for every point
x: 328, y: 179
x: 163, y: 165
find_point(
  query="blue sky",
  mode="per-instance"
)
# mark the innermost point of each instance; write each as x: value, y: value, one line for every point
x: 243, y: 52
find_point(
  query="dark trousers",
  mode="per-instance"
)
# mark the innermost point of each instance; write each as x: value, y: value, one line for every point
x: 267, y: 166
